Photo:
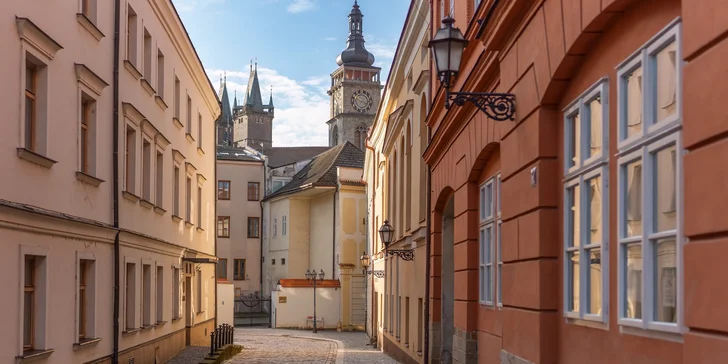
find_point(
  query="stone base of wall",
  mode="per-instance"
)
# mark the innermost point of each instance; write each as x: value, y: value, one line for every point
x: 435, y: 347
x: 508, y: 358
x: 199, y: 335
x: 159, y: 351
x: 465, y: 347
x: 392, y: 349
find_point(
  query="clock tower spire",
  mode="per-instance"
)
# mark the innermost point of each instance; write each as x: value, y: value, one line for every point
x: 355, y: 88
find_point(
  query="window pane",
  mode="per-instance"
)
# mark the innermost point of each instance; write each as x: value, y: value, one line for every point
x: 574, y: 146
x: 633, y: 200
x: 29, y: 127
x: 594, y: 281
x: 30, y: 77
x: 482, y: 203
x: 482, y: 283
x: 28, y: 319
x: 665, y: 276
x: 664, y: 190
x: 666, y: 69
x: 498, y: 241
x: 594, y: 110
x: 488, y: 278
x: 500, y: 291
x: 633, y: 277
x: 482, y: 247
x: 594, y: 212
x: 633, y: 99
x: 573, y: 281
x: 573, y: 217
x: 488, y: 245
x: 488, y: 200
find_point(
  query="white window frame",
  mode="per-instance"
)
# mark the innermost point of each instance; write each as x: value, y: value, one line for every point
x: 498, y: 242
x: 486, y: 232
x: 90, y: 292
x: 578, y: 175
x: 656, y: 135
x: 275, y: 227
x: 284, y: 225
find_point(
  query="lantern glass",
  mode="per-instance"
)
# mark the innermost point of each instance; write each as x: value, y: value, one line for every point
x: 364, y: 260
x: 310, y: 275
x: 386, y: 232
x: 321, y: 274
x: 447, y: 46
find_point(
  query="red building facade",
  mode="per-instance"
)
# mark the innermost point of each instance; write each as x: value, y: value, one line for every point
x: 606, y: 245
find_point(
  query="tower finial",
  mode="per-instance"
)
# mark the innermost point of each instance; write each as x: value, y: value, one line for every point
x: 251, y: 63
x: 256, y: 64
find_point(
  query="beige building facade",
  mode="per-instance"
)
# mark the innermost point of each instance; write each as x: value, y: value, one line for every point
x: 395, y: 175
x: 71, y: 225
x: 240, y: 184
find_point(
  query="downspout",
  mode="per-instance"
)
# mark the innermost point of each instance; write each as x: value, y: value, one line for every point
x: 428, y: 227
x: 260, y: 235
x: 214, y: 271
x: 115, y: 128
x: 333, y: 236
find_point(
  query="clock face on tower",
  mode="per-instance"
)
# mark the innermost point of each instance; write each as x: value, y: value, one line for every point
x: 361, y: 101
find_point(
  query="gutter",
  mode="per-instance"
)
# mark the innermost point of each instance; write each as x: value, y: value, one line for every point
x: 115, y: 128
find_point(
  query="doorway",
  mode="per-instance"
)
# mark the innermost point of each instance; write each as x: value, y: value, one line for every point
x: 186, y: 298
x: 447, y: 285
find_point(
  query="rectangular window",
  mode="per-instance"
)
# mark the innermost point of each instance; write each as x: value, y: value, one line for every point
x: 159, y: 180
x: 130, y: 159
x: 283, y: 261
x: 88, y: 108
x: 223, y: 190
x: 239, y: 270
x: 222, y: 268
x: 275, y: 227
x: 253, y: 191
x: 88, y: 9
x: 176, y: 191
x: 420, y: 324
x: 146, y: 295
x: 147, y: 58
x: 130, y: 295
x: 198, y: 296
x: 650, y: 185
x: 160, y: 74
x: 188, y: 200
x: 272, y: 262
x: 30, y: 106
x: 188, y: 125
x: 284, y: 225
x: 160, y: 294
x: 586, y: 208
x: 176, y: 311
x: 406, y: 320
x: 34, y: 312
x: 199, y: 131
x: 489, y: 237
x: 147, y: 169
x: 498, y: 254
x: 86, y: 299
x: 177, y: 89
x: 223, y: 226
x: 199, y: 207
x: 253, y: 227
x: 131, y: 36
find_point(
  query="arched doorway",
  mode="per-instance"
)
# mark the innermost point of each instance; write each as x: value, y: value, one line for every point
x: 447, y: 283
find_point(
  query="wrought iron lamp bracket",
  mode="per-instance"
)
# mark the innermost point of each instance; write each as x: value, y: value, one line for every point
x: 407, y: 255
x: 376, y: 273
x: 497, y: 106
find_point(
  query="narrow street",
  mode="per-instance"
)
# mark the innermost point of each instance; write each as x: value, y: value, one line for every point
x: 278, y: 346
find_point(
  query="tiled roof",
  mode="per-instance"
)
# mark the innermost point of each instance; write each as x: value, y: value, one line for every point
x: 236, y: 154
x: 322, y: 169
x: 281, y: 156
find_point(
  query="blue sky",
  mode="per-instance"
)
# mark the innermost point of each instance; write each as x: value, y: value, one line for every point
x: 296, y: 43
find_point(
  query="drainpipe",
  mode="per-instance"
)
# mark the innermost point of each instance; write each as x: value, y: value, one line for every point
x: 427, y: 262
x: 214, y: 270
x: 260, y: 235
x: 333, y: 236
x: 115, y: 187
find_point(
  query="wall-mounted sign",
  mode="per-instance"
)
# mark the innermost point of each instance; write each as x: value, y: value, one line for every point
x: 282, y: 299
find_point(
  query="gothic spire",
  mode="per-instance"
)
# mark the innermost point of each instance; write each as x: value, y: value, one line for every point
x: 253, y: 97
x: 226, y: 115
x: 355, y: 53
x: 270, y: 103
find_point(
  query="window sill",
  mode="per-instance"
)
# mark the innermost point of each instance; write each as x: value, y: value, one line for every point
x: 200, y: 151
x: 86, y: 343
x: 176, y: 218
x: 130, y: 196
x: 406, y: 345
x: 189, y: 224
x: 587, y: 323
x: 239, y: 279
x: 160, y: 323
x: 160, y: 211
x: 131, y: 331
x: 224, y: 237
x: 175, y: 319
x: 33, y: 355
x: 200, y: 230
x: 177, y: 123
x: 146, y: 204
x: 147, y: 87
x: 253, y: 237
x: 160, y: 102
x: 146, y: 327
x: 189, y: 137
x: 35, y: 158
x: 89, y: 26
x: 132, y: 69
x: 88, y: 179
x: 200, y: 313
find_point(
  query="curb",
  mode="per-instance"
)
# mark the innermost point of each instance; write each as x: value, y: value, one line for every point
x: 339, y: 345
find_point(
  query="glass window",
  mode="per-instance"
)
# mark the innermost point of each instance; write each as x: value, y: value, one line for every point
x: 489, y: 243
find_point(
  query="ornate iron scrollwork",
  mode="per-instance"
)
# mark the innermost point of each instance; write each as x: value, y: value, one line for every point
x: 403, y: 254
x: 376, y: 273
x: 497, y: 106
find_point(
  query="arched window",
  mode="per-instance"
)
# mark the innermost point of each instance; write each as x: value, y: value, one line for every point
x: 334, y: 136
x: 360, y: 137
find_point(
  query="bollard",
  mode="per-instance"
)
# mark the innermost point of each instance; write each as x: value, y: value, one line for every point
x: 212, y: 343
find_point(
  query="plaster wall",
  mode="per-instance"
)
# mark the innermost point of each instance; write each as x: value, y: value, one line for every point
x: 300, y: 237
x: 298, y: 307
x: 225, y: 303
x: 280, y: 244
x: 321, y: 235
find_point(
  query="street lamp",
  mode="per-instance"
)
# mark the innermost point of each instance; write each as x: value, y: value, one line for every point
x: 313, y: 277
x: 386, y: 232
x: 447, y: 46
x: 365, y: 261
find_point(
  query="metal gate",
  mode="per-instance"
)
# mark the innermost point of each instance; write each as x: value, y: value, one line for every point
x: 252, y: 309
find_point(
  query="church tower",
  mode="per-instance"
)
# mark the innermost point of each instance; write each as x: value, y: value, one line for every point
x: 254, y: 120
x: 225, y: 121
x: 355, y: 88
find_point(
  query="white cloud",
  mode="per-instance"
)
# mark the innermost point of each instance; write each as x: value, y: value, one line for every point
x: 330, y: 39
x: 299, y: 6
x: 302, y: 107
